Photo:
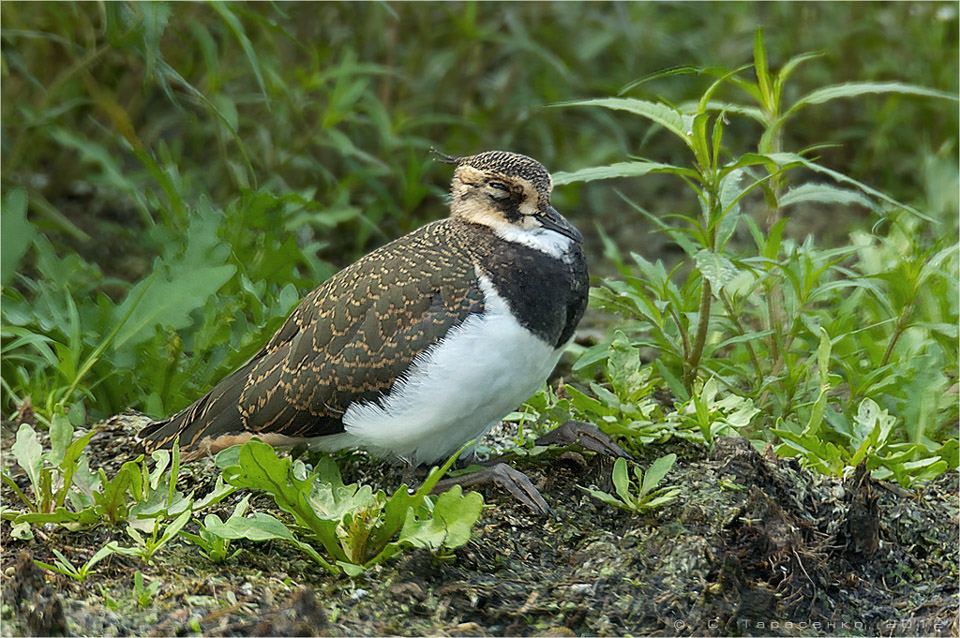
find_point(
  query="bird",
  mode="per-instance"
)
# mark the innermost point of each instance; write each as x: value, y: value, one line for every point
x: 423, y: 344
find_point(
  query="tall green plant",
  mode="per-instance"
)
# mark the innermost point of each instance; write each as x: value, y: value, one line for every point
x: 754, y: 319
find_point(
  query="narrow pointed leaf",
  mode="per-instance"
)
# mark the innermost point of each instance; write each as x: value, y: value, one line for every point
x: 656, y: 472
x: 677, y: 123
x: 620, y: 169
x: 825, y: 194
x: 621, y: 480
x: 856, y: 89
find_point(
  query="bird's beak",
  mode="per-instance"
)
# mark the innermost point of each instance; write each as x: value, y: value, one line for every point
x: 552, y: 220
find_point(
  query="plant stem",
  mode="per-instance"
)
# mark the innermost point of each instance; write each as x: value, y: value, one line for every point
x: 683, y: 333
x: 735, y: 318
x: 897, y: 333
x: 693, y: 363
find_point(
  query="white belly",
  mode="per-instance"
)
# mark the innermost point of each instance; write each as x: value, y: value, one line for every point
x: 455, y: 392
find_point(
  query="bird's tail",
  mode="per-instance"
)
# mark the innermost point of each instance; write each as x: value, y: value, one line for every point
x: 214, y: 416
x: 177, y: 428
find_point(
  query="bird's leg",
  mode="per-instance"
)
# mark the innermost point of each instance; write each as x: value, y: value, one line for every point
x: 513, y: 481
x: 572, y: 432
x: 586, y: 435
x: 505, y: 477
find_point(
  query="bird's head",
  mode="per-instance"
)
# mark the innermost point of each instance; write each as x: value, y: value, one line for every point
x: 509, y: 193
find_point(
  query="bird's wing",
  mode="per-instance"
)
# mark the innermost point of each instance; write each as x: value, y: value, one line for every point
x: 347, y: 341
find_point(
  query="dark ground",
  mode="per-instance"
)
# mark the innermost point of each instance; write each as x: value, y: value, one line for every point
x: 754, y: 546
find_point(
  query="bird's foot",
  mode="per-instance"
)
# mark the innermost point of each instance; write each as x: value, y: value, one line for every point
x: 585, y: 435
x: 505, y: 477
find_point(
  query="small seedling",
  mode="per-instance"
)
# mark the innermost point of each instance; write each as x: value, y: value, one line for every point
x: 51, y: 475
x: 647, y: 497
x: 147, y: 545
x: 144, y: 594
x: 216, y: 548
x: 65, y: 567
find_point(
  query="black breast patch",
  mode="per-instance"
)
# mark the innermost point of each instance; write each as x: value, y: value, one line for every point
x: 547, y: 295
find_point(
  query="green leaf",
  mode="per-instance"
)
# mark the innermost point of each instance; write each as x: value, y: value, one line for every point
x: 677, y: 123
x: 108, y: 163
x: 606, y: 498
x: 824, y: 194
x: 786, y: 159
x: 856, y: 89
x: 675, y: 385
x: 592, y: 356
x: 179, y: 284
x: 760, y: 65
x: 174, y: 472
x: 716, y: 268
x: 675, y: 70
x: 620, y: 169
x: 220, y: 491
x: 621, y: 480
x: 667, y: 497
x: 435, y: 474
x: 236, y: 27
x: 61, y: 436
x: 255, y: 527
x: 259, y: 467
x: 950, y: 452
x: 771, y: 249
x: 22, y: 531
x: 102, y: 553
x: 112, y: 500
x: 29, y: 454
x: 229, y: 457
x: 656, y: 472
x: 155, y: 16
x: 738, y: 109
x: 792, y: 64
x: 873, y: 422
x: 823, y: 357
x: 59, y: 516
x: 730, y: 190
x: 449, y: 525
x: 262, y: 527
x: 816, y: 414
x: 171, y: 530
x: 588, y: 405
x: 71, y: 458
x: 625, y: 370
x: 169, y: 302
x: 16, y: 233
x: 742, y: 415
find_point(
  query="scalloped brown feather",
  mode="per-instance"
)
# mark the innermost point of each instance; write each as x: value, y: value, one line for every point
x: 348, y: 340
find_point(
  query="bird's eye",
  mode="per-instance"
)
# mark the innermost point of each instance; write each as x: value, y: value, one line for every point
x: 499, y: 190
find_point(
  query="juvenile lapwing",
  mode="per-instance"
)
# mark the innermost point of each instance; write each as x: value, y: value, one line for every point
x: 421, y: 345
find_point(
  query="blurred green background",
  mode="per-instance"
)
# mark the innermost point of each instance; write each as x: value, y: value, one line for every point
x: 234, y: 155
